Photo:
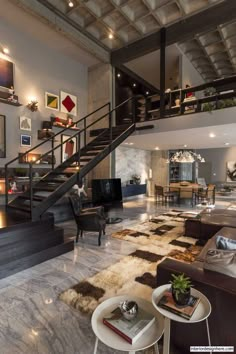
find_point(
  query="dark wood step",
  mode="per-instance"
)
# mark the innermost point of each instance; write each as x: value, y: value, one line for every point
x: 37, y: 198
x: 36, y: 258
x: 19, y: 207
x: 44, y: 188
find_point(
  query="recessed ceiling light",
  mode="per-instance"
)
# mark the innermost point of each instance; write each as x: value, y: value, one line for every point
x: 70, y: 4
x: 134, y: 85
x: 147, y: 92
x: 157, y: 148
x: 226, y: 143
x: 185, y: 145
x: 110, y: 36
x: 5, y: 50
x: 131, y: 143
x: 212, y: 135
x: 118, y: 75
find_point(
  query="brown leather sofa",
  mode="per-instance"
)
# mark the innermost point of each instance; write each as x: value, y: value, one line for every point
x: 209, y: 222
x: 220, y: 289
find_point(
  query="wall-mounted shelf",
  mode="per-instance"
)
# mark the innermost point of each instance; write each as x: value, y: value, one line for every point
x: 62, y: 127
x: 17, y: 104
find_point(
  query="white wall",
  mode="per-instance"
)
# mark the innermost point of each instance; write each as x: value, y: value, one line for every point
x: 131, y: 161
x: 38, y: 68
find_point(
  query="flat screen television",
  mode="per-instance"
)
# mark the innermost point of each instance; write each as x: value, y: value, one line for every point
x: 6, y: 73
x: 106, y: 191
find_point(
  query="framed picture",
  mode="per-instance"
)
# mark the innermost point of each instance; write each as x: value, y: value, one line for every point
x: 25, y: 140
x: 231, y: 171
x: 51, y: 101
x: 69, y: 148
x: 68, y: 103
x: 2, y: 136
x: 25, y: 123
x: 6, y: 73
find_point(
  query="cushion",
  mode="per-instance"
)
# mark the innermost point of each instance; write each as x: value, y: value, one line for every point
x: 221, y: 261
x: 225, y: 243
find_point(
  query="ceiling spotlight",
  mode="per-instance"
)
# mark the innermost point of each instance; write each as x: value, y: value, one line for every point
x: 5, y: 50
x: 118, y: 75
x: 110, y: 36
x: 70, y: 4
x: 147, y: 92
x: 226, y: 143
x: 131, y: 143
x: 134, y: 85
x: 157, y: 148
x: 185, y: 145
x: 212, y: 135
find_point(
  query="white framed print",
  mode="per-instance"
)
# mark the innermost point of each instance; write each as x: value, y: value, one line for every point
x: 25, y: 123
x: 68, y: 103
x: 51, y: 101
x: 25, y: 140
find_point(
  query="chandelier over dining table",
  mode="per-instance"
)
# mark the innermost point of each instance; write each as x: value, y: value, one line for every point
x: 184, y: 156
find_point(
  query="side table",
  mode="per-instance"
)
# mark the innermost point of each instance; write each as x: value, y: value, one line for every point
x: 113, y: 340
x: 201, y: 313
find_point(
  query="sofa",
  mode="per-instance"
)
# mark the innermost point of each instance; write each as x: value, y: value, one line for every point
x: 209, y: 222
x: 219, y: 288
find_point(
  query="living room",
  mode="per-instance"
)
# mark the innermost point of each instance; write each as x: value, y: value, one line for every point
x: 61, y: 275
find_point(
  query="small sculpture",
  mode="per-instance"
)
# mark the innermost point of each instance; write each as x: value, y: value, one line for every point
x: 129, y: 309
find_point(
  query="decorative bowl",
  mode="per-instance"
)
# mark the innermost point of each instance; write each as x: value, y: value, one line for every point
x: 129, y: 309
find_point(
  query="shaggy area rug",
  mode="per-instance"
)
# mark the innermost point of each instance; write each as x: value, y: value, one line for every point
x: 135, y: 274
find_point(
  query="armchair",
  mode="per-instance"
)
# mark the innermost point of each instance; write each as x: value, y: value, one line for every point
x: 92, y: 219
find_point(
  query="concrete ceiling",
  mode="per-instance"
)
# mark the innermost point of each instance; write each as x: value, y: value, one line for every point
x: 197, y: 138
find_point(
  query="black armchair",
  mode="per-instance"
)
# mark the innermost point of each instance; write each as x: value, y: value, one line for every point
x: 92, y: 219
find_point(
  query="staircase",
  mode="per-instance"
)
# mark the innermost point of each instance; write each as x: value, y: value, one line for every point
x: 44, y: 193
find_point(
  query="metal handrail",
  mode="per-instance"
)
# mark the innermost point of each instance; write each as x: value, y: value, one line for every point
x: 78, y: 133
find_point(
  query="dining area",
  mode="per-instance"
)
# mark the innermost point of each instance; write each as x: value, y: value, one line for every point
x: 185, y: 192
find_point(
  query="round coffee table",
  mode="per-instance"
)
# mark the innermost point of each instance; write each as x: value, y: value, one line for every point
x: 201, y: 313
x: 113, y: 340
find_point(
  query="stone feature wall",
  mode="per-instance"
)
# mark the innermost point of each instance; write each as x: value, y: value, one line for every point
x: 130, y: 161
x: 160, y: 169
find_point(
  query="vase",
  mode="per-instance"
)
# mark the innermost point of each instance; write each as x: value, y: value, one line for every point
x: 183, y: 298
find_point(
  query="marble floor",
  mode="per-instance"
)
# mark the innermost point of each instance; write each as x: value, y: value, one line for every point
x: 33, y: 320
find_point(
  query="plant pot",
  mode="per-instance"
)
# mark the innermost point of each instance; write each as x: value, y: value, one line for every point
x: 182, y: 299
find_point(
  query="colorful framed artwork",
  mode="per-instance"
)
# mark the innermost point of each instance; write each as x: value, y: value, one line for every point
x: 51, y: 101
x: 69, y: 148
x: 2, y: 136
x: 6, y: 73
x: 25, y: 123
x: 25, y: 140
x: 68, y: 103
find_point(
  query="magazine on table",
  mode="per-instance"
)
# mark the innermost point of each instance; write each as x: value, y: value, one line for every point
x: 130, y: 330
x: 167, y: 302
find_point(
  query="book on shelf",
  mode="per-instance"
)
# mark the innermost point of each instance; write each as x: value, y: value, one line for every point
x: 130, y: 330
x: 167, y: 302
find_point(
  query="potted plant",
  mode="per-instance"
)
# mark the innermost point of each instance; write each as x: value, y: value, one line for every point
x: 181, y: 286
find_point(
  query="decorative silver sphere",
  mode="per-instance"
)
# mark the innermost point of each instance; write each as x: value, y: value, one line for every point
x: 129, y: 309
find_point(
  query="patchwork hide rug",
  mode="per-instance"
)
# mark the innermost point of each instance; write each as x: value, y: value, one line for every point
x: 135, y: 274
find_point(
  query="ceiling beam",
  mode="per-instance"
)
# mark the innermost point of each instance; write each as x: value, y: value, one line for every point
x: 181, y: 31
x: 56, y: 19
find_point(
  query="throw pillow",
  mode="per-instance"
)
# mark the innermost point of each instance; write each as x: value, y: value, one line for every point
x: 221, y: 261
x: 224, y: 243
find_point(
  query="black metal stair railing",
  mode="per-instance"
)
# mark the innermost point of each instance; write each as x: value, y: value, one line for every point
x: 78, y: 135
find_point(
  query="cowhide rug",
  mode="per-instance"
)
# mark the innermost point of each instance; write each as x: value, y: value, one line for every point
x: 135, y: 274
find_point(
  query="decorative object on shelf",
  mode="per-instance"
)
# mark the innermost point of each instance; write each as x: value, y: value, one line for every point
x: 136, y: 179
x: 51, y: 101
x: 2, y: 136
x: 33, y: 105
x: 129, y: 309
x: 62, y: 123
x: 68, y: 103
x: 181, y: 288
x: 46, y: 131
x: 6, y: 74
x: 231, y: 171
x: 36, y: 158
x: 25, y: 123
x: 25, y: 140
x: 184, y: 156
x: 68, y: 148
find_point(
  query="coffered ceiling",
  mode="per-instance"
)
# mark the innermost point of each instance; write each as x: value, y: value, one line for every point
x: 127, y: 21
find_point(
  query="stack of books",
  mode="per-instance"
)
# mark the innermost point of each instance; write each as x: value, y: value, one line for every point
x: 167, y: 302
x: 130, y: 330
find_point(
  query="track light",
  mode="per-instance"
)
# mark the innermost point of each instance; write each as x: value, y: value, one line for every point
x: 70, y: 4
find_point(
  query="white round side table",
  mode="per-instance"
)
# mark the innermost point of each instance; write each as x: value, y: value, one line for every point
x: 113, y: 340
x: 201, y: 313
